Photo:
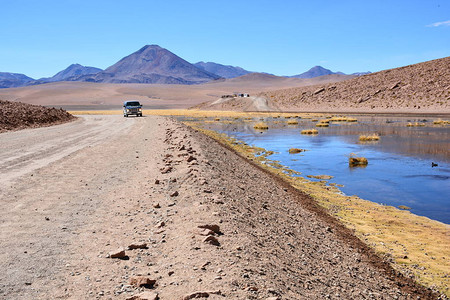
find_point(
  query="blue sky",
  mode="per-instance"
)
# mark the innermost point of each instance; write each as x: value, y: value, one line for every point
x: 40, y: 38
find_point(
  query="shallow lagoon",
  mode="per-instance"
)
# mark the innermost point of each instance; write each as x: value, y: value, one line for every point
x: 399, y: 170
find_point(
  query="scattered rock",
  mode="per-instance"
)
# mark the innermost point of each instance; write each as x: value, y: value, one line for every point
x: 211, y: 240
x: 156, y: 205
x: 190, y: 158
x: 206, y: 232
x: 319, y: 91
x: 212, y: 227
x: 363, y: 99
x: 145, y: 296
x: 204, y: 294
x: 142, y: 281
x: 157, y: 181
x: 174, y: 194
x: 119, y: 253
x: 161, y: 224
x: 166, y: 170
x: 137, y: 246
x: 396, y: 85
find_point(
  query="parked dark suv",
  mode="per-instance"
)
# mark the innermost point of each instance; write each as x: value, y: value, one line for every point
x: 132, y: 108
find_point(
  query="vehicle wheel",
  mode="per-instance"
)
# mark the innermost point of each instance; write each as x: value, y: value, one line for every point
x: 126, y: 116
x: 140, y: 115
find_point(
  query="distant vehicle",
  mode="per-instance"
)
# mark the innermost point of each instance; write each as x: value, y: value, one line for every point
x: 132, y: 108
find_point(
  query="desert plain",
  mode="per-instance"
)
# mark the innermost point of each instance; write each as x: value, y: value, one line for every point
x: 107, y: 207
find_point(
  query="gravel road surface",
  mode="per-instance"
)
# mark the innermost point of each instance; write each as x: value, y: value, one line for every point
x: 193, y: 219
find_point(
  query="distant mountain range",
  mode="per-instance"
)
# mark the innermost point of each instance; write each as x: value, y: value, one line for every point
x: 321, y: 71
x: 73, y: 72
x: 222, y: 70
x: 150, y: 64
x: 8, y: 80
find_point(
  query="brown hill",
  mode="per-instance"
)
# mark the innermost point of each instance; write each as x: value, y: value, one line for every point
x: 17, y: 115
x: 423, y: 87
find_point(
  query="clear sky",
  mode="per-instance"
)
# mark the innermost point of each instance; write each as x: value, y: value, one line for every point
x: 40, y: 38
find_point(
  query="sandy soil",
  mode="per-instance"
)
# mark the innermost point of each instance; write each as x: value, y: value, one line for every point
x: 153, y: 181
x: 86, y: 96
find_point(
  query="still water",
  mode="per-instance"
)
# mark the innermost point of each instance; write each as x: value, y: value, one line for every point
x: 400, y: 168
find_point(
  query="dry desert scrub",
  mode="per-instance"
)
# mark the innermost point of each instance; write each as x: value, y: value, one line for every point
x: 322, y: 124
x: 261, y: 126
x: 292, y: 122
x: 296, y: 150
x: 441, y: 122
x: 369, y: 138
x: 309, y: 131
x: 357, y: 161
x: 414, y: 245
x: 416, y: 124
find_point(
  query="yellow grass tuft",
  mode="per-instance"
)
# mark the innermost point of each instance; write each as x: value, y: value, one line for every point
x: 404, y: 207
x: 261, y: 126
x: 292, y: 122
x: 323, y: 177
x: 416, y: 124
x: 296, y: 150
x: 369, y: 138
x: 357, y: 161
x: 322, y: 125
x: 309, y: 131
x: 441, y: 122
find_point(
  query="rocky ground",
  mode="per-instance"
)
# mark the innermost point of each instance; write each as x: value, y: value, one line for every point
x: 158, y: 210
x: 419, y: 88
x: 17, y: 115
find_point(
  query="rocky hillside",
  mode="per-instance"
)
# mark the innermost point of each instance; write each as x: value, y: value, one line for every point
x: 152, y: 64
x: 423, y: 87
x: 17, y: 115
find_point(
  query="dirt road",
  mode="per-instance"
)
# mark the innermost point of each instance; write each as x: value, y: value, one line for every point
x: 72, y: 193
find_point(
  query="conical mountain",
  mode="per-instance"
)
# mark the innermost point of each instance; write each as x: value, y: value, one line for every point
x: 153, y: 64
x: 314, y: 72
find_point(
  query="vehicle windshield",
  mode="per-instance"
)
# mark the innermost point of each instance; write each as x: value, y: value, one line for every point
x: 133, y: 103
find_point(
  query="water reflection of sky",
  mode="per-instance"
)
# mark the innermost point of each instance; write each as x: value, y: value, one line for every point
x: 399, y: 170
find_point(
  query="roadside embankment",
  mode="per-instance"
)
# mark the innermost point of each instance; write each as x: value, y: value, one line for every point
x: 414, y: 245
x: 17, y: 115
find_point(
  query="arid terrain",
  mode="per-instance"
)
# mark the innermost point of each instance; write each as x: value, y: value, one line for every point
x: 17, y: 115
x: 108, y: 207
x: 419, y: 88
x: 104, y: 96
x: 193, y: 218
